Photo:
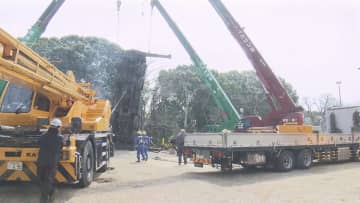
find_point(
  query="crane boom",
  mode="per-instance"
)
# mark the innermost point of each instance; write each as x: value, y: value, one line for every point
x: 39, y: 27
x: 230, y: 115
x: 275, y: 92
x: 20, y: 63
x: 55, y: 93
x: 150, y: 54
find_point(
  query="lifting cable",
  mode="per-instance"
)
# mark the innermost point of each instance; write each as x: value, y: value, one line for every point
x: 118, y: 102
x: 118, y: 6
x: 150, y: 30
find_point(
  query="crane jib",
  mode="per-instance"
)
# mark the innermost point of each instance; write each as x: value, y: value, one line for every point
x: 228, y: 112
x: 39, y: 27
x: 270, y: 81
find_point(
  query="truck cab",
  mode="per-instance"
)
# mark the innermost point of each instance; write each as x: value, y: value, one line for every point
x: 341, y: 120
x: 21, y: 106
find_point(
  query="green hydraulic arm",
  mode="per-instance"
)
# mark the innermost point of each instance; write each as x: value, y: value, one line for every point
x: 229, y: 113
x: 39, y: 27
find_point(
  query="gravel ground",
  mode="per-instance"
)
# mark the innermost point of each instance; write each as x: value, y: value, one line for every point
x: 160, y: 179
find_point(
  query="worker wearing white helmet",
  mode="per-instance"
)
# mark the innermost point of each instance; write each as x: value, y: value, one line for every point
x: 55, y: 123
x: 50, y: 145
x: 140, y: 145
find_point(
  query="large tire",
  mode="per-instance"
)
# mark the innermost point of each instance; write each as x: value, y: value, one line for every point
x: 304, y: 159
x: 88, y: 162
x: 285, y: 161
x: 226, y: 165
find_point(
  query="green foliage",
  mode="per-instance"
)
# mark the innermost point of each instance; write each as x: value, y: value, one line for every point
x: 91, y: 59
x: 177, y: 86
x: 115, y: 74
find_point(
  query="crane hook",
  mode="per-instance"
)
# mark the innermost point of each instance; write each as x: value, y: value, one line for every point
x: 118, y: 5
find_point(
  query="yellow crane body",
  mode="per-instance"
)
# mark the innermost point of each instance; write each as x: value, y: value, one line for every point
x: 32, y: 92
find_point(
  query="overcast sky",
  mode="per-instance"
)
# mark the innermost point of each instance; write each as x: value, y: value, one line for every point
x: 310, y: 43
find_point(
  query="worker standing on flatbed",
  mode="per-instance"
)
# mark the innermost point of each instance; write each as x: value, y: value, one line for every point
x: 179, y: 143
x: 51, y: 144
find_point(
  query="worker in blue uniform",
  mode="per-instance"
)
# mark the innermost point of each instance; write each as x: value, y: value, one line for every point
x: 147, y: 140
x: 140, y: 144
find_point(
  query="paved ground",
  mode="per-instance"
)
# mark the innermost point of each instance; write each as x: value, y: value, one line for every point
x: 161, y: 180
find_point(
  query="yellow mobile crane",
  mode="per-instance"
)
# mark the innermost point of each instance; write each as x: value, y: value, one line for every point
x: 33, y: 91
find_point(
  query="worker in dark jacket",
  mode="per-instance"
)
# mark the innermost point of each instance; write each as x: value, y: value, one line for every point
x: 51, y: 144
x: 179, y: 143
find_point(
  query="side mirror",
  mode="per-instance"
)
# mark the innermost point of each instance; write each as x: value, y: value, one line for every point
x: 76, y: 124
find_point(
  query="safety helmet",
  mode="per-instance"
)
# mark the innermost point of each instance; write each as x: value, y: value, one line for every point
x: 139, y: 132
x: 182, y: 130
x: 56, y: 123
x: 144, y: 132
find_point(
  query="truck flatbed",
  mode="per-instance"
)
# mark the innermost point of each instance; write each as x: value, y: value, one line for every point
x: 283, y: 151
x: 266, y: 140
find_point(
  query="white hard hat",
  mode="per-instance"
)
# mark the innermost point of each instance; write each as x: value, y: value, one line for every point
x: 56, y: 122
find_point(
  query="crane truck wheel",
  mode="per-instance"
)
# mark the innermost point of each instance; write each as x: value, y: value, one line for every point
x: 304, y: 159
x: 285, y: 161
x: 226, y: 165
x: 87, y: 172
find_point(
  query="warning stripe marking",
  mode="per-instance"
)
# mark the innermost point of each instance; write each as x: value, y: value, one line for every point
x: 18, y: 175
x: 65, y: 173
x: 32, y: 167
x: 3, y: 167
x: 70, y: 169
x: 4, y: 173
x: 59, y: 177
x: 28, y: 171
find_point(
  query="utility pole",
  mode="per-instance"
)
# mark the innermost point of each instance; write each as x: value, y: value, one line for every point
x: 339, y: 87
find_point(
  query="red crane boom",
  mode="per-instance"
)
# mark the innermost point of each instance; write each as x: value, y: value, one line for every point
x: 284, y: 109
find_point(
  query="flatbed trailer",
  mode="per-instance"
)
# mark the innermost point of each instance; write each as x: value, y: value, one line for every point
x: 282, y: 151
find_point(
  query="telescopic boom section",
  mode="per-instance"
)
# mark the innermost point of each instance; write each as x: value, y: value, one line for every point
x: 230, y: 115
x: 280, y: 101
x: 20, y: 64
x: 40, y: 26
